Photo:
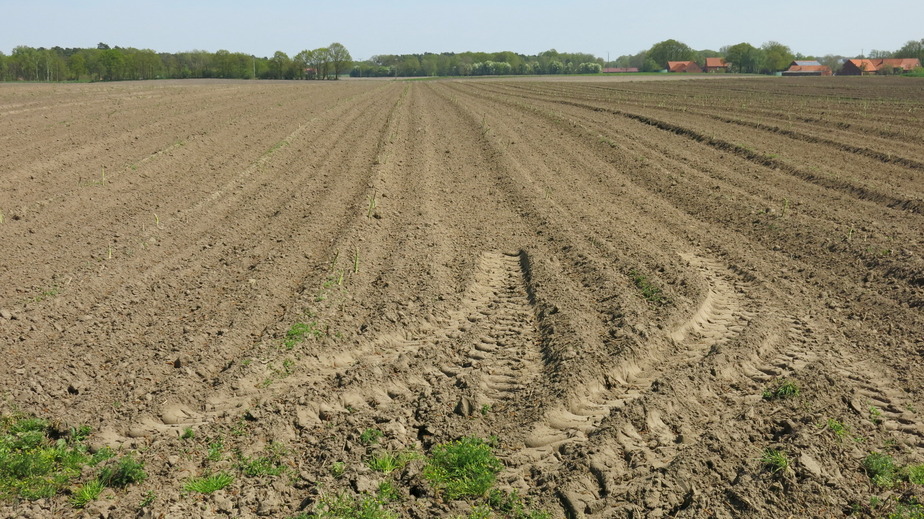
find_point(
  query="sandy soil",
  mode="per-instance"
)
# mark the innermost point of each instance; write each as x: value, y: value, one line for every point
x: 469, y: 259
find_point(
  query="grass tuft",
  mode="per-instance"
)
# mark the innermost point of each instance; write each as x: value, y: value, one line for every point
x: 125, y: 472
x: 781, y: 389
x: 208, y: 484
x: 370, y: 436
x: 87, y: 493
x: 462, y: 468
x: 881, y: 469
x: 345, y: 506
x: 775, y: 461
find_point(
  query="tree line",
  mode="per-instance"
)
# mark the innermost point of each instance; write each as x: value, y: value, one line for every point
x: 105, y: 63
x: 769, y: 58
x: 477, y: 64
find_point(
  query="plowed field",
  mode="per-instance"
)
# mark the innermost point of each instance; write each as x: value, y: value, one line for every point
x: 610, y: 280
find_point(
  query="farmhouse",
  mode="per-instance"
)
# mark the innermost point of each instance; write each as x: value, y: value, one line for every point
x: 860, y: 67
x: 716, y: 65
x: 807, y: 68
x: 683, y: 66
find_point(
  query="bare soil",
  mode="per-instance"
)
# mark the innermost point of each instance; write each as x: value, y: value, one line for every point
x: 606, y: 276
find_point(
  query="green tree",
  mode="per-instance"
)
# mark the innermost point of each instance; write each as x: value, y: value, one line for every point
x: 744, y: 58
x: 776, y: 56
x: 410, y: 66
x: 320, y: 61
x: 24, y: 63
x: 340, y: 58
x: 912, y: 49
x: 280, y: 64
x: 670, y: 50
x: 302, y: 62
x: 112, y: 64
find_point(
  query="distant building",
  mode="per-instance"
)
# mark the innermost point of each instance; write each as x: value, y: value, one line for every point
x: 619, y: 70
x: 683, y: 66
x: 716, y: 65
x: 861, y: 67
x: 807, y: 68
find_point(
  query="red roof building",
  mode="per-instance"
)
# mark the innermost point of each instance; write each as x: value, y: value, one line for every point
x: 683, y: 66
x: 807, y: 68
x: 859, y: 67
x: 716, y: 65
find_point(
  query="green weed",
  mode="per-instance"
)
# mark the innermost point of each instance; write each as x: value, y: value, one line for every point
x: 384, y: 462
x: 370, y: 436
x: 838, y: 428
x: 388, y: 462
x: 208, y: 484
x: 915, y: 474
x: 775, y: 461
x: 270, y: 464
x: 216, y: 450
x: 337, y: 469
x: 345, y: 506
x: 881, y: 469
x: 875, y: 415
x: 387, y: 492
x: 511, y: 505
x: 781, y: 389
x: 125, y: 472
x: 649, y: 291
x: 300, y: 332
x: 87, y: 493
x: 32, y: 464
x: 149, y: 498
x: 188, y: 434
x: 466, y: 467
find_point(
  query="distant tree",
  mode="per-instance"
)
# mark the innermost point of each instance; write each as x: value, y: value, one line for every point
x: 112, y: 64
x: 320, y: 62
x: 410, y: 66
x: 3, y: 74
x: 743, y: 57
x: 430, y: 65
x: 879, y: 54
x: 776, y: 57
x: 280, y: 64
x: 102, y: 46
x: 670, y: 50
x: 912, y: 49
x: 590, y: 68
x: 340, y: 58
x: 835, y: 63
x: 303, y: 62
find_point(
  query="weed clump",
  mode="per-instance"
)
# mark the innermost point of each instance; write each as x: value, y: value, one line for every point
x: 649, y: 291
x: 775, y: 461
x: 781, y: 389
x: 463, y: 468
x: 345, y: 506
x: 208, y: 484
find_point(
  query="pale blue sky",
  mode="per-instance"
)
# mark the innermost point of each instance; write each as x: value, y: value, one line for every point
x: 367, y: 27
